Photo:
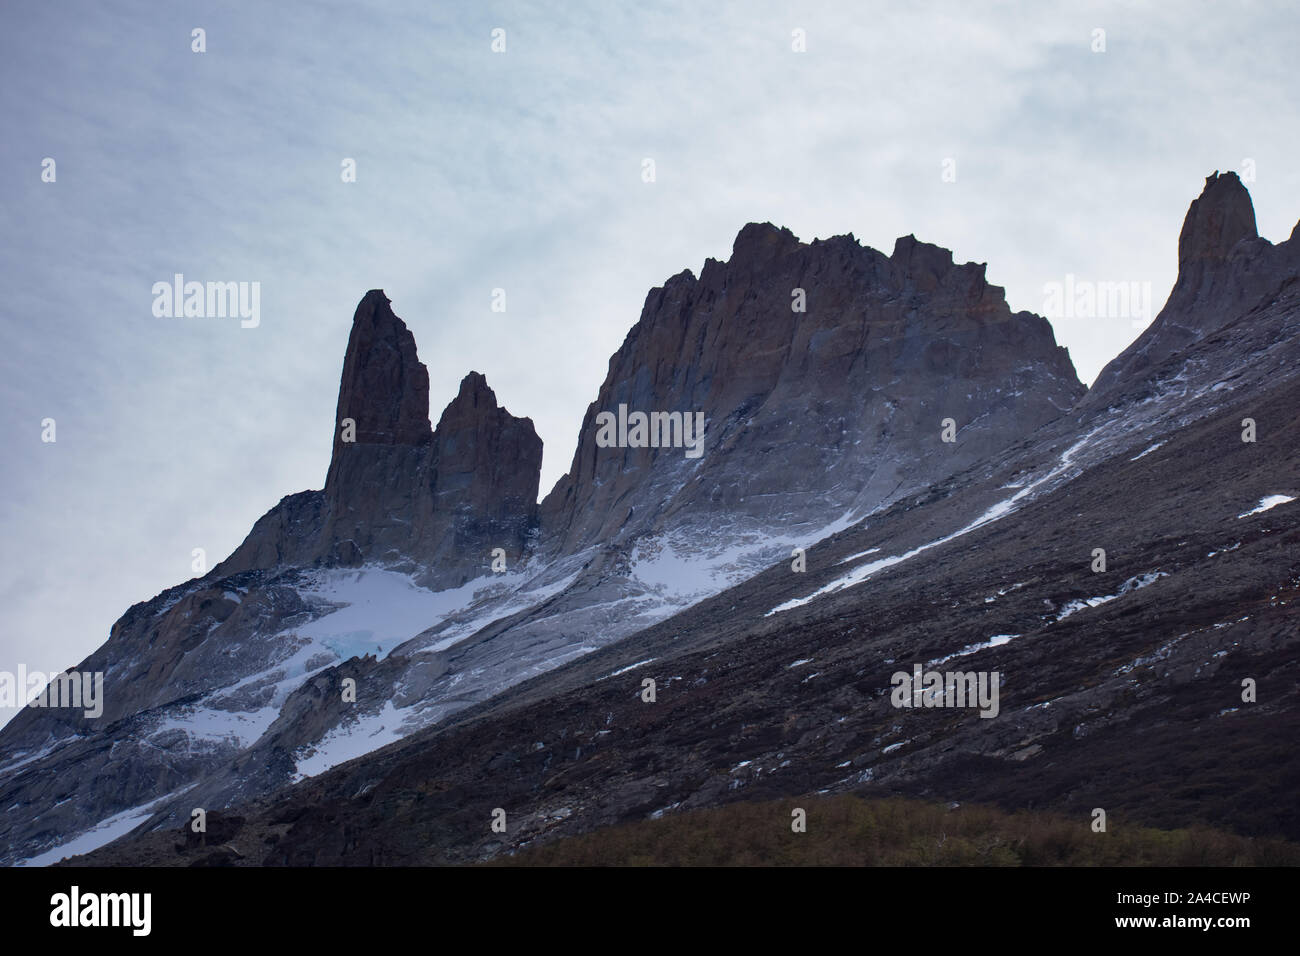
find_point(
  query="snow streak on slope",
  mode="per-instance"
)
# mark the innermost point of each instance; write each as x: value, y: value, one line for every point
x: 1268, y: 503
x: 104, y: 832
x: 1132, y: 584
x: 1141, y: 455
x: 860, y: 554
x: 997, y: 640
x: 630, y: 667
x: 995, y: 513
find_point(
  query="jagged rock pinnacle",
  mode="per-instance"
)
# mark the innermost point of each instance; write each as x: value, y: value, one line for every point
x: 385, y: 386
x: 400, y: 493
x: 488, y: 462
x: 1224, y: 270
x: 1218, y: 219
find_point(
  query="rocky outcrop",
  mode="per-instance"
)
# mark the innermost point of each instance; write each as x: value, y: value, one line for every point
x: 398, y: 493
x: 1217, y: 220
x: 824, y: 372
x: 1225, y: 271
x: 483, y: 475
x: 385, y: 387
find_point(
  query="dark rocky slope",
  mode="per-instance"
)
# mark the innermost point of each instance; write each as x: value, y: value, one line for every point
x: 1133, y: 705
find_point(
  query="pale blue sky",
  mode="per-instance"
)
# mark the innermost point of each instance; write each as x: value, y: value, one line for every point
x: 522, y: 170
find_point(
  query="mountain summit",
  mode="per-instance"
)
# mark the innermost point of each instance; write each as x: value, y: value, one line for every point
x: 824, y: 372
x: 398, y: 493
x: 1218, y: 219
x: 384, y: 389
x: 1225, y: 271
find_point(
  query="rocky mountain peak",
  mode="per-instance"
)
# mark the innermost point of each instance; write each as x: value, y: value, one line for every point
x: 820, y: 371
x: 757, y: 244
x: 923, y: 264
x: 1218, y: 219
x: 486, y: 465
x: 384, y: 389
x: 400, y: 493
x: 1225, y: 271
x: 910, y: 252
x: 474, y: 397
x: 473, y: 419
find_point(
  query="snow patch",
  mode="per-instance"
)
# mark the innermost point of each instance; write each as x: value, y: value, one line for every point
x: 342, y: 744
x: 101, y: 834
x: 1148, y: 451
x: 683, y: 574
x: 1265, y: 504
x: 1132, y: 584
x: 997, y: 640
x: 860, y: 554
x: 239, y: 728
x: 382, y: 609
x: 631, y: 667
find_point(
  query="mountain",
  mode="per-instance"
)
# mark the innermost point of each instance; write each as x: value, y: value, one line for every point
x: 823, y: 372
x: 823, y: 430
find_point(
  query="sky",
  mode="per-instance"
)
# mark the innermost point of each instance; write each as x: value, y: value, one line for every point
x: 1014, y: 134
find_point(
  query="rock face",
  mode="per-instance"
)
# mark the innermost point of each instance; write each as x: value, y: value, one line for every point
x: 484, y: 471
x: 397, y: 493
x: 815, y: 412
x: 1225, y: 271
x: 1217, y: 220
x: 385, y: 386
